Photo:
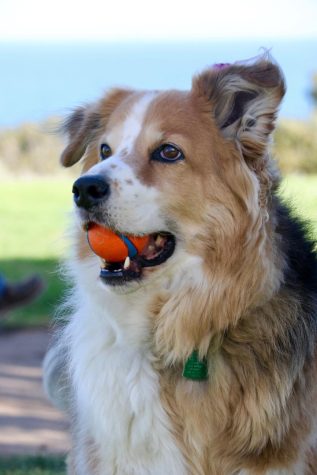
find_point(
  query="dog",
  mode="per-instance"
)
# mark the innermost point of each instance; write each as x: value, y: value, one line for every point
x: 197, y: 356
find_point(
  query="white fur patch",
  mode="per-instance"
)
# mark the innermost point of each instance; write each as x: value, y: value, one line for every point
x: 123, y: 135
x: 132, y: 206
x: 117, y: 390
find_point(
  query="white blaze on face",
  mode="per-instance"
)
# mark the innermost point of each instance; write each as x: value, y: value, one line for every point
x: 123, y: 135
x: 132, y: 206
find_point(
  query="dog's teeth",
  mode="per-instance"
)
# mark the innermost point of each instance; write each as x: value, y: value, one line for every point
x: 159, y: 241
x: 151, y: 248
x: 102, y: 263
x: 127, y: 262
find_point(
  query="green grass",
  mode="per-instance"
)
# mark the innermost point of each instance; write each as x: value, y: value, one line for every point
x: 33, y: 217
x: 32, y: 466
x: 301, y: 192
x: 42, y: 310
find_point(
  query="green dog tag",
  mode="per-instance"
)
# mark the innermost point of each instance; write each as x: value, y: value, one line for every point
x: 195, y: 369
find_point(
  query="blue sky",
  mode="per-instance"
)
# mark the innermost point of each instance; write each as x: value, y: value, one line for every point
x: 95, y: 20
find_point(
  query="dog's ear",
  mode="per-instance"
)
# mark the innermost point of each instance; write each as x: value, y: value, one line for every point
x: 85, y: 123
x: 244, y: 99
x: 79, y: 128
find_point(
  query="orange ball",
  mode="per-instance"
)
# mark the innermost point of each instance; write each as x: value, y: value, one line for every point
x: 108, y: 245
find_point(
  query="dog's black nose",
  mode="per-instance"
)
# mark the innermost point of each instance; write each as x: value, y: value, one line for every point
x: 90, y: 190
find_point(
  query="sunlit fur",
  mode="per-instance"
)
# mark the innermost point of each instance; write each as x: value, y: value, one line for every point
x: 240, y: 288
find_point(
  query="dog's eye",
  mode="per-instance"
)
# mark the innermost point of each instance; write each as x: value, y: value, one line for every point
x: 167, y: 153
x: 105, y: 151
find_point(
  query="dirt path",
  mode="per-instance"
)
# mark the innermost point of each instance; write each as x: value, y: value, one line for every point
x: 28, y: 422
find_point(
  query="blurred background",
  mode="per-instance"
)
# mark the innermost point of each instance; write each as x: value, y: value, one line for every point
x: 56, y: 55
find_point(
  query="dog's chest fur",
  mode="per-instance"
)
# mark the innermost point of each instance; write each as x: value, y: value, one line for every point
x: 118, y: 394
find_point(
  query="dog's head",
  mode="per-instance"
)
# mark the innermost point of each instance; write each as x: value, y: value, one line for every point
x: 191, y: 169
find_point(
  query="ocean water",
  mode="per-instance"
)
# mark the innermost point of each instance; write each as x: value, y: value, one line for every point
x: 42, y: 80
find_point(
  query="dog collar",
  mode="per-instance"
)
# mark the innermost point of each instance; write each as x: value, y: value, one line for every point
x: 195, y: 369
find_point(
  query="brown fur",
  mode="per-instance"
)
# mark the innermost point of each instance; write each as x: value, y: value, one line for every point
x: 252, y: 412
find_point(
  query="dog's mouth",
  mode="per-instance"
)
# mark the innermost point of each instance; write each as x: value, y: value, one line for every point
x: 159, y: 249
